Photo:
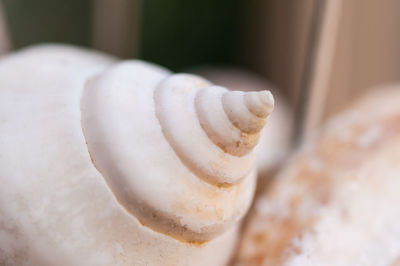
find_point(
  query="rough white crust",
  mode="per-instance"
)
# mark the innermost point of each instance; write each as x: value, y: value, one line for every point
x: 336, y: 202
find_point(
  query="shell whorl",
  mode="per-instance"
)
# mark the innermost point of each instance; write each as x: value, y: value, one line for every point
x: 210, y: 128
x: 233, y: 119
x: 174, y: 149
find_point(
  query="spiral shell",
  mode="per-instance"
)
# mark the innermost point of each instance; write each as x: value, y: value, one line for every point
x: 175, y: 150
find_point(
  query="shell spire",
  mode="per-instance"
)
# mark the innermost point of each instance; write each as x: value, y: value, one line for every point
x: 211, y: 129
x: 235, y: 127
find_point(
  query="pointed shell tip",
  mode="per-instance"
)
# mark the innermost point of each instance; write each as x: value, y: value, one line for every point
x: 267, y: 97
x: 259, y: 103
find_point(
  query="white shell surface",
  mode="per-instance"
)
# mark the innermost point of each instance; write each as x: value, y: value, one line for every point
x: 128, y: 146
x: 55, y: 207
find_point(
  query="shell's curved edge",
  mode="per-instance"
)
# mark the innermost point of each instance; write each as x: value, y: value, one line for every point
x: 162, y: 222
x: 159, y: 221
x: 55, y: 50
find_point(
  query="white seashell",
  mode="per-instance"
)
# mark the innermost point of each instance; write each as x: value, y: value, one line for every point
x: 121, y: 163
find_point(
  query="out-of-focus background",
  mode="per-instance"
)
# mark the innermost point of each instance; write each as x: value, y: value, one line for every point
x: 318, y: 55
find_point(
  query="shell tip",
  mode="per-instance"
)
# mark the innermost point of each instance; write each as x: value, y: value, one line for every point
x: 267, y: 98
x: 260, y: 103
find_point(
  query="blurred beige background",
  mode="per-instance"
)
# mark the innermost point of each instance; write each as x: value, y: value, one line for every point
x: 365, y: 47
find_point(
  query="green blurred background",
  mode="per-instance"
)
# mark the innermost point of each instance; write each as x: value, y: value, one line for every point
x: 174, y: 33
